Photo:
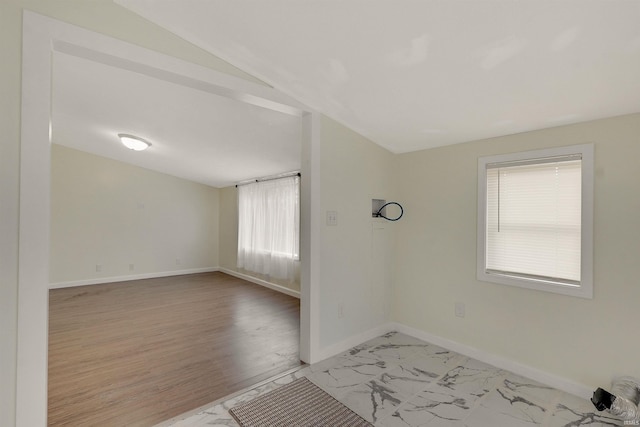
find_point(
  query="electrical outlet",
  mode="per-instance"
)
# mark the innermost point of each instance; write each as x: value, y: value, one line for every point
x: 340, y: 310
x: 98, y: 268
x: 178, y: 261
x: 459, y: 309
x: 332, y: 218
x: 130, y: 267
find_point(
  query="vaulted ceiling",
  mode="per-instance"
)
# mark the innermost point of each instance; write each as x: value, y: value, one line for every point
x: 409, y: 75
x: 417, y: 74
x: 195, y: 135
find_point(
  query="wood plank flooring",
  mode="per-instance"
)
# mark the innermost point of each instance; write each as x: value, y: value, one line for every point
x: 140, y: 352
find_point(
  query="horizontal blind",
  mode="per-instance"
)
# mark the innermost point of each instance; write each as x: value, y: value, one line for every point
x: 534, y: 219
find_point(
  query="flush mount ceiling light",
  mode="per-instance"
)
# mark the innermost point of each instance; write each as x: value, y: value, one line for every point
x: 134, y: 142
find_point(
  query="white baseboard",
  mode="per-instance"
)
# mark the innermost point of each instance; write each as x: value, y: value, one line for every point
x: 535, y: 374
x: 102, y: 280
x: 342, y: 346
x: 543, y: 377
x: 261, y: 282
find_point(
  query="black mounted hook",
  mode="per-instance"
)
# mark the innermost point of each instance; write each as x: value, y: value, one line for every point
x: 379, y: 213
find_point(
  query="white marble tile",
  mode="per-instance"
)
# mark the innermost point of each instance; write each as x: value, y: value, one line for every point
x: 417, y: 373
x: 432, y: 405
x: 407, y: 415
x: 505, y: 407
x: 373, y: 400
x: 408, y: 379
x: 360, y: 348
x: 251, y: 394
x: 291, y: 377
x: 572, y: 411
x: 360, y: 363
x: 194, y: 420
x: 531, y: 390
x: 399, y: 381
x: 214, y: 418
x: 337, y: 388
x: 301, y: 372
x: 330, y: 363
x: 449, y: 400
x: 434, y: 351
x: 347, y: 373
x: 396, y: 338
x: 440, y: 422
x: 391, y: 348
x: 471, y: 379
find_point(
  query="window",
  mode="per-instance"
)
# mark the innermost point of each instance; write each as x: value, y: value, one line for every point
x: 535, y: 220
x: 268, y: 227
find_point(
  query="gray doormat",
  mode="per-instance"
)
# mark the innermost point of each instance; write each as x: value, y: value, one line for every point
x: 300, y: 403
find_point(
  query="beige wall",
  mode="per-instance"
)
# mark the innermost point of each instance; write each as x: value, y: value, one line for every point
x: 229, y: 239
x: 435, y: 258
x: 112, y: 214
x: 98, y: 15
x: 10, y: 76
x: 352, y: 282
x: 587, y: 341
x: 229, y: 227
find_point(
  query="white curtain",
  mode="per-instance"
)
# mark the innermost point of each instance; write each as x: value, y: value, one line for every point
x: 268, y: 227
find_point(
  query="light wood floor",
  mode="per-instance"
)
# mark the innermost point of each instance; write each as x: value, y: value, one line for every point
x: 140, y: 352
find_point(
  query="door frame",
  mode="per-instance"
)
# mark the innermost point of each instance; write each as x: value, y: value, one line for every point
x: 42, y: 38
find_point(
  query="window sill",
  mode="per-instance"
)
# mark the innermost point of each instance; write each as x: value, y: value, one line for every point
x: 581, y: 290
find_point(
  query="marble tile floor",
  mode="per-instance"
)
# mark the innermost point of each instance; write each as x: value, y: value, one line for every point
x: 397, y: 380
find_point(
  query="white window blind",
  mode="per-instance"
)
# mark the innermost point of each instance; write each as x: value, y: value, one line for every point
x: 533, y: 219
x: 268, y: 227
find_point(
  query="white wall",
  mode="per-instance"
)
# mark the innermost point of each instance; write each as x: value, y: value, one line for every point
x: 587, y: 341
x: 354, y: 171
x: 99, y: 15
x: 112, y: 214
x: 229, y: 240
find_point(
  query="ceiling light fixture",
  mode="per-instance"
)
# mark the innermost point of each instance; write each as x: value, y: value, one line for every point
x: 134, y: 142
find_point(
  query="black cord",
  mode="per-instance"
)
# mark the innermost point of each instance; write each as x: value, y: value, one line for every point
x: 379, y: 214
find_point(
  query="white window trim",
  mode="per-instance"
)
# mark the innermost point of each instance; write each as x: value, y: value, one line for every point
x: 585, y: 289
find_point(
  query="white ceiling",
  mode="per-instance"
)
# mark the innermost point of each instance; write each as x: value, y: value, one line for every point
x: 418, y: 74
x: 195, y: 135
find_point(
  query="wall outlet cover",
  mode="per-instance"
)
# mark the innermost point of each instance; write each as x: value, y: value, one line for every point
x: 460, y: 309
x: 332, y: 218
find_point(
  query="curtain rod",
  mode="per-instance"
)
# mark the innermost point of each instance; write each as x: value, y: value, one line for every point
x: 269, y: 179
